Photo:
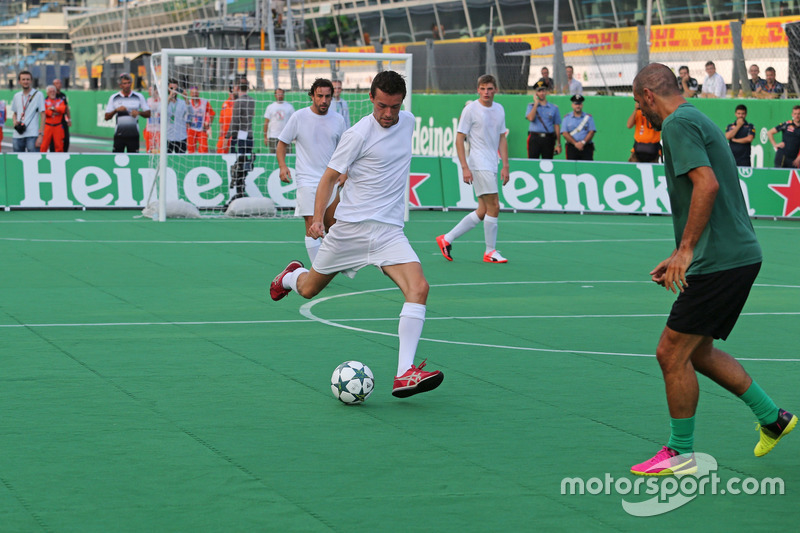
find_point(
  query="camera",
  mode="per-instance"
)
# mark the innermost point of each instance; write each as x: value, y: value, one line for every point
x: 20, y: 128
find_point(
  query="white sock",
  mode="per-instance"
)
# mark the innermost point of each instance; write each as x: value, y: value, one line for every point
x: 490, y: 232
x: 312, y: 246
x: 412, y: 318
x: 290, y: 279
x: 466, y: 224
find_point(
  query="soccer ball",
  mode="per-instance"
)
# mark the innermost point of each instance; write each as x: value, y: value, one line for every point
x: 352, y: 382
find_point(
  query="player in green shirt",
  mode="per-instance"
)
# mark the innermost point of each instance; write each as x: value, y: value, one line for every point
x: 713, y: 267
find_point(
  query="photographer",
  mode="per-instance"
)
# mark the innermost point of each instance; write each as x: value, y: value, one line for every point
x: 27, y: 109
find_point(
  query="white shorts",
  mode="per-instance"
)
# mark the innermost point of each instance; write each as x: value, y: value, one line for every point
x: 305, y: 201
x: 351, y: 246
x: 484, y: 182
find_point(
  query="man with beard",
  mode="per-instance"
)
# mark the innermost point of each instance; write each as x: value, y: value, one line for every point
x: 713, y: 267
x: 317, y: 133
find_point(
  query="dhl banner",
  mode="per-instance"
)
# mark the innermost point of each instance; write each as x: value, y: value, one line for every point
x: 692, y: 36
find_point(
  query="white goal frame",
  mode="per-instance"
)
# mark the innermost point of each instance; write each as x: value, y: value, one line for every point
x: 166, y: 54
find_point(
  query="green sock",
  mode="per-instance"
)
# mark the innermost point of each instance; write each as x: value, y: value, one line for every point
x: 681, y: 438
x: 762, y: 405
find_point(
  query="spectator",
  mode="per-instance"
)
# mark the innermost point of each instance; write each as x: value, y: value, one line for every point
x: 740, y: 135
x: 339, y: 105
x: 755, y: 79
x: 573, y: 85
x: 244, y: 111
x: 224, y: 142
x: 646, y: 139
x: 437, y: 32
x: 66, y: 120
x: 544, y: 131
x: 713, y: 85
x: 686, y: 84
x: 54, y: 110
x: 177, y: 119
x: 275, y: 117
x: 127, y: 105
x: 770, y: 88
x: 27, y: 115
x: 548, y: 81
x: 787, y: 152
x: 578, y: 130
x: 152, y: 131
x: 201, y: 114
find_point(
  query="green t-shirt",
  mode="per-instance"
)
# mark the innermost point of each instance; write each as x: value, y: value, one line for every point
x: 691, y: 140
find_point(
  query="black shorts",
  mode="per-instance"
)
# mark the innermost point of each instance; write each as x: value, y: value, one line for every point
x: 711, y: 303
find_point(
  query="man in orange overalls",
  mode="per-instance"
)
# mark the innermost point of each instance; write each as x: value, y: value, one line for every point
x: 54, y: 109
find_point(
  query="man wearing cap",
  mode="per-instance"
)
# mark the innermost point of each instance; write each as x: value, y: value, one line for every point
x: 544, y: 131
x: 578, y: 130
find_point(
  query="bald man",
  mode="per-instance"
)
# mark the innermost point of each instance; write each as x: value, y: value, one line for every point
x: 715, y: 262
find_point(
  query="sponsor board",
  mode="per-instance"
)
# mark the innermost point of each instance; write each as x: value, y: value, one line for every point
x: 128, y: 181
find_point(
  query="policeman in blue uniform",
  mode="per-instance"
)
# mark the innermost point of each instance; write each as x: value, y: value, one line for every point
x: 578, y: 130
x: 544, y: 131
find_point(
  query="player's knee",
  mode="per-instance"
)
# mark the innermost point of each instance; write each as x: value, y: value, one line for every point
x: 419, y: 292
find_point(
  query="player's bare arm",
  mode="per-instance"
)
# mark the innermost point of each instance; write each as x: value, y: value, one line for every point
x: 704, y: 192
x: 280, y: 153
x: 462, y: 157
x: 505, y: 174
x: 324, y: 191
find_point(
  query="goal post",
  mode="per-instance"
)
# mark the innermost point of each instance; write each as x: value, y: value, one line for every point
x: 208, y: 165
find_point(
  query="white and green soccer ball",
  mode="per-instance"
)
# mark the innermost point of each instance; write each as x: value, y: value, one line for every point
x: 352, y: 382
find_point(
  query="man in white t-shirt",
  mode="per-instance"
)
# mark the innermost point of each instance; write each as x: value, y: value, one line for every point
x: 376, y: 154
x: 484, y: 122
x: 275, y: 117
x: 27, y: 113
x: 316, y: 133
x: 713, y: 85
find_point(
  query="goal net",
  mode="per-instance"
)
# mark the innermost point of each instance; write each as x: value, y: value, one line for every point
x: 210, y: 163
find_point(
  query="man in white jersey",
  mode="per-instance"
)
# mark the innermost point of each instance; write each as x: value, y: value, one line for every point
x: 376, y: 154
x: 316, y: 133
x: 484, y: 122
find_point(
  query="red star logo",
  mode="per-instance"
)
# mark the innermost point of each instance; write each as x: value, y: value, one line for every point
x: 414, y: 181
x: 790, y: 193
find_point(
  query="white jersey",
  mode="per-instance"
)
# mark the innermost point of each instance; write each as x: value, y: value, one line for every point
x: 377, y: 161
x: 317, y: 137
x: 278, y: 114
x: 483, y: 127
